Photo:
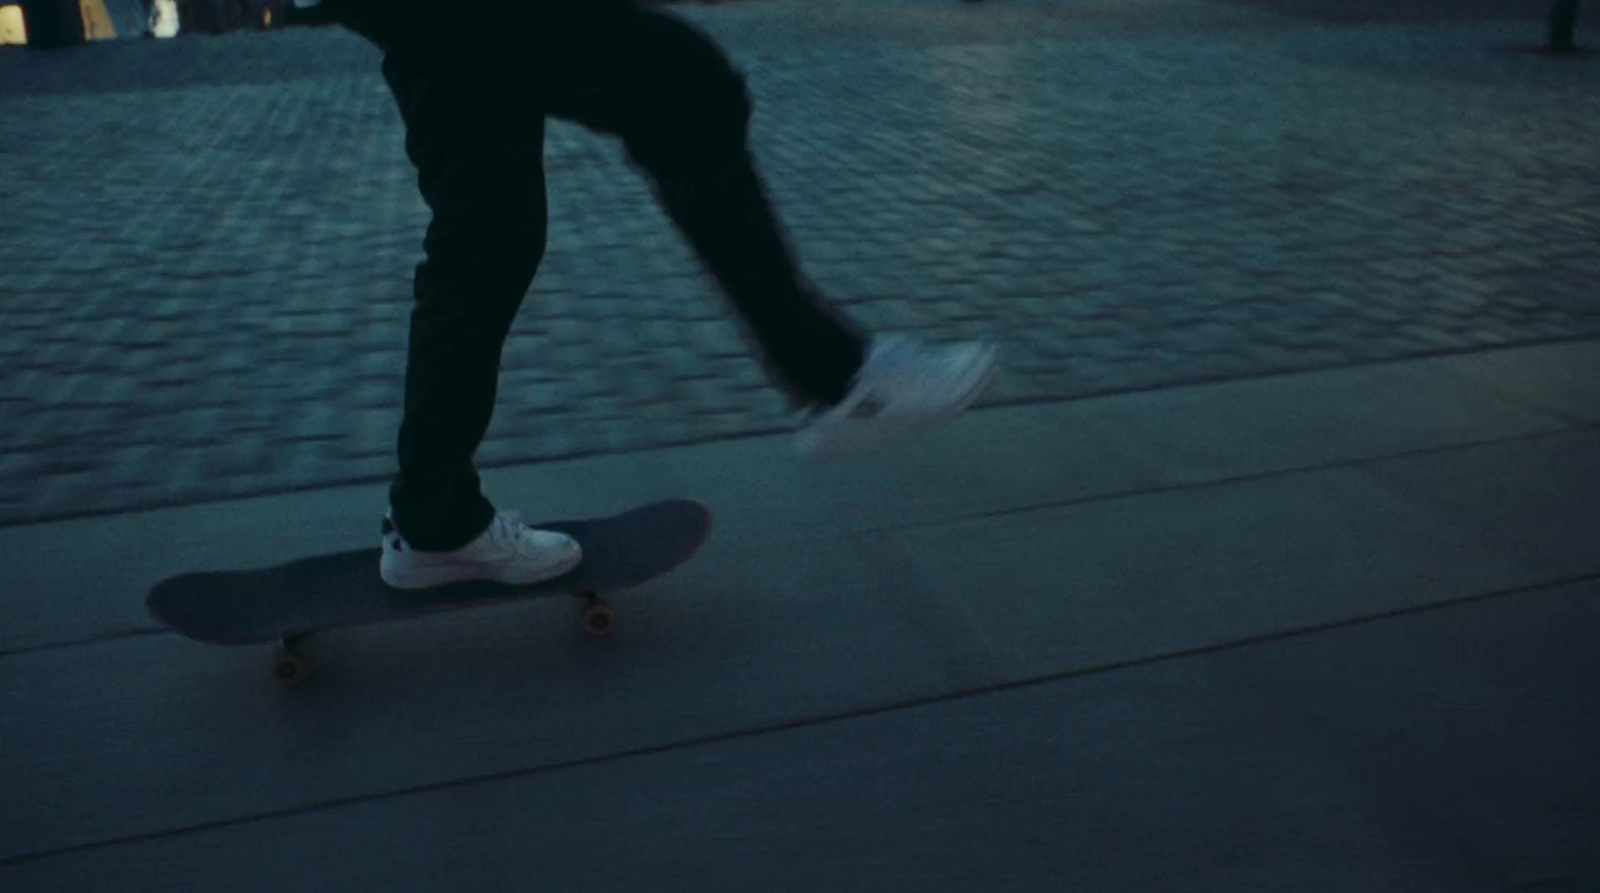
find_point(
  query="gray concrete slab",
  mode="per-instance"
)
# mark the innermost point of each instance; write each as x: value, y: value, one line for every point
x: 136, y: 734
x: 1480, y: 721
x: 1563, y: 378
x: 1539, y: 497
x: 1199, y: 568
x: 1443, y: 750
x: 54, y: 594
x: 766, y: 633
x: 1274, y: 423
x: 993, y: 460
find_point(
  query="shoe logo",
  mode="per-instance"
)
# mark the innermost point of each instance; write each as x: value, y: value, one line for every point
x: 391, y: 537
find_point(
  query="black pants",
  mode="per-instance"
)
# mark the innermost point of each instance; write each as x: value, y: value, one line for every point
x: 474, y: 98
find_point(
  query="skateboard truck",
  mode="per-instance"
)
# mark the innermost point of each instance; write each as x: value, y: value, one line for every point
x: 290, y: 666
x: 289, y: 660
x: 597, y: 617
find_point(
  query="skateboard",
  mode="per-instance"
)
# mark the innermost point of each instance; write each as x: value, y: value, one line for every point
x: 289, y: 602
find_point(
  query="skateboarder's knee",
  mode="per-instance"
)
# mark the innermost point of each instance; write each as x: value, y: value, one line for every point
x: 499, y: 239
x: 495, y: 197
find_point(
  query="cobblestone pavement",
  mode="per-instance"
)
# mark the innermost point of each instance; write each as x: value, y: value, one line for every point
x: 206, y: 244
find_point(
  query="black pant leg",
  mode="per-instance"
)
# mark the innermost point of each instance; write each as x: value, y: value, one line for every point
x: 683, y: 114
x: 476, y: 137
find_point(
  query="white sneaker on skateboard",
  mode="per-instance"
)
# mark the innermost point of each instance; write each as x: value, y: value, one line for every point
x: 508, y: 552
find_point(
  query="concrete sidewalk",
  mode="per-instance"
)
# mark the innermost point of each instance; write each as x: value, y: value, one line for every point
x: 1331, y: 631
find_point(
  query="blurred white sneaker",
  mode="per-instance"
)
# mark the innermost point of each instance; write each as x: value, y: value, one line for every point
x: 508, y: 552
x: 904, y: 388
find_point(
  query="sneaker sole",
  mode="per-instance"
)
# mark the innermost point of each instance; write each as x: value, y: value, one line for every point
x: 415, y: 579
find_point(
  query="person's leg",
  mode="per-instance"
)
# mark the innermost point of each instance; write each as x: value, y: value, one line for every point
x: 683, y: 115
x: 476, y: 138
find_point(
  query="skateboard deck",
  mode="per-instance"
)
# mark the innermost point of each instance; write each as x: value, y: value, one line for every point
x: 289, y: 602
